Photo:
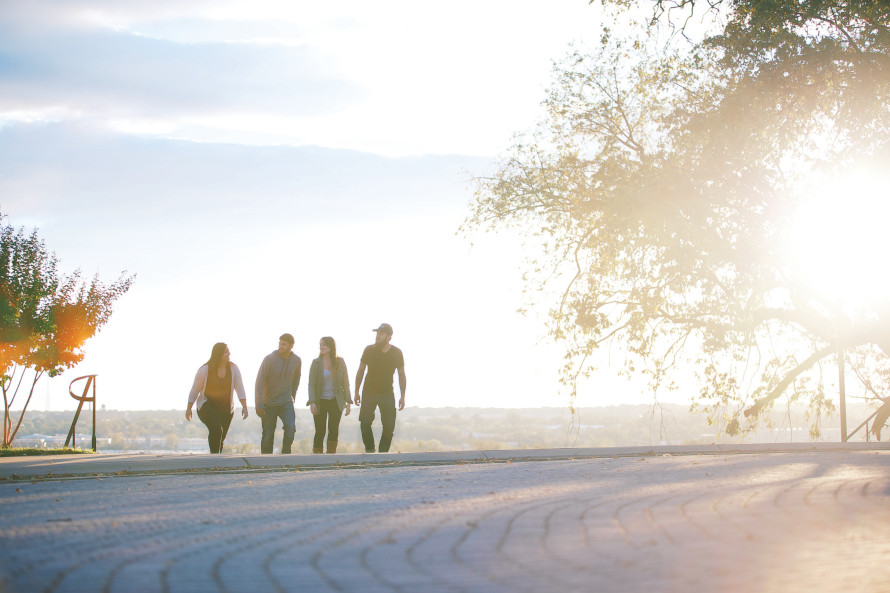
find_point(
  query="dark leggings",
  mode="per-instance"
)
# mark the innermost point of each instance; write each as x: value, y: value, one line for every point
x: 217, y: 423
x: 328, y: 413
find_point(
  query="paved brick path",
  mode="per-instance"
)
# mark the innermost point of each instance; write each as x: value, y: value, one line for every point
x: 801, y: 521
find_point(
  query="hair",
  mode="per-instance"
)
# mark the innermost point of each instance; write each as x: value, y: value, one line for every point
x: 330, y: 343
x: 216, y: 354
x: 287, y: 338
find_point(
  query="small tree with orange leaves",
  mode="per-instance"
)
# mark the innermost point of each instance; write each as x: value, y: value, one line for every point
x: 45, y: 318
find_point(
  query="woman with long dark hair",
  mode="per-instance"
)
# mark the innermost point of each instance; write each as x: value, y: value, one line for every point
x: 212, y: 389
x: 328, y: 394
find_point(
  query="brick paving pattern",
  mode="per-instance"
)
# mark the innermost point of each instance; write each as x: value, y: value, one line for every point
x: 787, y: 522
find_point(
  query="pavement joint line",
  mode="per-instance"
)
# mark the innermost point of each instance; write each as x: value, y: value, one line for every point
x: 482, y: 459
x: 255, y: 469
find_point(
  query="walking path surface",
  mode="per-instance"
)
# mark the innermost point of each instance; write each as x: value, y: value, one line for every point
x: 778, y: 518
x: 57, y: 466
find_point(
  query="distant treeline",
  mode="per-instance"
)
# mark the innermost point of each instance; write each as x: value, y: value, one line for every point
x: 429, y: 429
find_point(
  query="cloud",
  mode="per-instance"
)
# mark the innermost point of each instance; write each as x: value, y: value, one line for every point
x: 89, y: 14
x: 393, y: 77
x: 71, y: 177
x: 106, y: 74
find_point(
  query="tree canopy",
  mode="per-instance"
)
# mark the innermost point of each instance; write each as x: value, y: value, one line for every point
x: 45, y: 317
x: 670, y: 186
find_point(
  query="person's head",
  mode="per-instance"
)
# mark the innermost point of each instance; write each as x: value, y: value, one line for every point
x: 384, y: 334
x: 218, y: 354
x: 285, y: 344
x: 328, y: 347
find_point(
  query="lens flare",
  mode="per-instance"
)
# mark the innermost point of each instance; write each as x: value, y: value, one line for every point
x: 840, y: 237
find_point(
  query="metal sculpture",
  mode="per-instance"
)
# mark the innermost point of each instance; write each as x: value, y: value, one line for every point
x: 83, y: 398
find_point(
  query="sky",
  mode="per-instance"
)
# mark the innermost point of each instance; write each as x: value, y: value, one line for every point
x: 285, y: 166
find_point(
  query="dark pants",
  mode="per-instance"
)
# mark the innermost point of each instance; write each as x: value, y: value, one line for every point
x: 387, y: 405
x: 217, y: 423
x: 271, y: 414
x: 328, y: 414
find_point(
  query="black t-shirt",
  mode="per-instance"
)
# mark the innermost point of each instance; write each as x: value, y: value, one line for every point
x: 381, y: 366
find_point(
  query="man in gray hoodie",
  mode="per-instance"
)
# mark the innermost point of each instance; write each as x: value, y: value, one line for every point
x: 276, y: 390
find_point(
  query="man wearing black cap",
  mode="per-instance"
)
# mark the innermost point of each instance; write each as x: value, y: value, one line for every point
x: 381, y: 359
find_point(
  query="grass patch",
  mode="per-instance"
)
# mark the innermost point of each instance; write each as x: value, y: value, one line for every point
x: 19, y: 451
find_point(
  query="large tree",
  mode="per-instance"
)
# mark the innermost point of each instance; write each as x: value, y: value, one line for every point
x: 45, y: 317
x: 669, y: 182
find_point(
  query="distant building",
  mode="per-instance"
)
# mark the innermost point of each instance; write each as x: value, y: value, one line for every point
x: 57, y: 441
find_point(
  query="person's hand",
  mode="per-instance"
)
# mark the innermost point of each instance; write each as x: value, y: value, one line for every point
x: 244, y: 413
x: 358, y: 400
x: 188, y: 413
x: 313, y: 408
x: 348, y: 408
x: 402, y: 403
x: 260, y: 412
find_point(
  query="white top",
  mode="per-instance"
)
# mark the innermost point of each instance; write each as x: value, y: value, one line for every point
x: 327, y: 385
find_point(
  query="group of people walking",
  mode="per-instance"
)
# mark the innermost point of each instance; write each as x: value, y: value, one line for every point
x: 276, y: 387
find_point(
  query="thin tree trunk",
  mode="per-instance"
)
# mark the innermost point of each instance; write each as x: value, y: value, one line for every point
x: 5, y: 383
x: 15, y: 392
x: 6, y: 423
x: 25, y: 407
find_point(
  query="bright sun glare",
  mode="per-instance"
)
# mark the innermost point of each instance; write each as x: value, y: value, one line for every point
x: 841, y: 238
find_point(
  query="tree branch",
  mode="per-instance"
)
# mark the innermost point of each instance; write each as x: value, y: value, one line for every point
x: 787, y: 380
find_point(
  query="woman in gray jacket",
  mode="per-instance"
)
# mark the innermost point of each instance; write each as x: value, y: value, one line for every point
x: 328, y: 394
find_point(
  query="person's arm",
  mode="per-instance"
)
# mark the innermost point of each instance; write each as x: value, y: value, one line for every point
x: 197, y: 387
x: 296, y: 384
x: 403, y: 384
x: 239, y: 389
x: 313, y: 385
x: 345, y: 375
x: 258, y: 393
x: 359, y: 376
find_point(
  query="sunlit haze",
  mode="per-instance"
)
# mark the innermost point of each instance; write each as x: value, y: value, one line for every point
x: 837, y: 234
x: 270, y: 167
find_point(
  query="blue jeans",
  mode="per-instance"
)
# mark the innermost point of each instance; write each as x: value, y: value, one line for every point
x: 270, y: 421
